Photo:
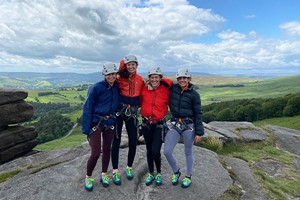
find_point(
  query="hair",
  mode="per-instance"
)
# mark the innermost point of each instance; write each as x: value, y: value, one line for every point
x: 124, y: 73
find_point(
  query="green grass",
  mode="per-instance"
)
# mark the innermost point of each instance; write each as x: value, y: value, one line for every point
x: 288, y: 122
x: 277, y: 187
x: 73, y: 140
x: 71, y: 97
x: 7, y: 175
x: 268, y: 88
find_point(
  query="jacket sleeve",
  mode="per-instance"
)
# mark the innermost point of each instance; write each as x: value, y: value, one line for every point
x: 87, y: 113
x: 199, y: 130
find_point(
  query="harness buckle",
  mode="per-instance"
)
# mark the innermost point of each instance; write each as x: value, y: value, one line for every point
x: 94, y: 128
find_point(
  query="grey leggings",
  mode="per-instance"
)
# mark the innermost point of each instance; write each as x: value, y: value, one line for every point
x: 171, y: 139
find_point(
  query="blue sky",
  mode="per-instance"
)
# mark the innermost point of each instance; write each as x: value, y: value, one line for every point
x: 213, y: 36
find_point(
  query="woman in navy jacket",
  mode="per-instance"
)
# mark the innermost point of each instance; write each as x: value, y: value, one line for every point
x: 98, y: 121
x: 185, y: 107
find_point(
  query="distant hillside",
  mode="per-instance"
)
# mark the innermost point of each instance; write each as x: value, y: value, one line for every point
x: 33, y: 81
x: 267, y: 88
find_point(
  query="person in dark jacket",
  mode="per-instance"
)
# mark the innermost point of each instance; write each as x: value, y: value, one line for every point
x: 186, y: 122
x: 98, y: 121
x: 130, y: 86
x: 154, y: 107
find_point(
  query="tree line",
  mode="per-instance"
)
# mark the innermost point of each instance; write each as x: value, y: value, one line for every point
x: 252, y: 109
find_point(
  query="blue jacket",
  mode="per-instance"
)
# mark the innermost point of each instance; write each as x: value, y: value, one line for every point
x: 102, y: 100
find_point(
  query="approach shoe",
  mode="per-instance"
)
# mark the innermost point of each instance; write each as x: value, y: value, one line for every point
x: 129, y: 173
x: 117, y: 178
x: 89, y: 183
x: 149, y: 179
x: 186, y: 182
x: 105, y: 180
x: 175, y: 178
x: 158, y: 179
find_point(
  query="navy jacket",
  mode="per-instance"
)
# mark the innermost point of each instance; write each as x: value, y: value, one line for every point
x: 102, y: 100
x: 187, y: 104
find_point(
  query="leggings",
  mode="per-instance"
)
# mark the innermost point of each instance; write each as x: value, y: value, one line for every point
x: 171, y: 139
x: 153, y: 139
x: 95, y: 143
x: 131, y: 128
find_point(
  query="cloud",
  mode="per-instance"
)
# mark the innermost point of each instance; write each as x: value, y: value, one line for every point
x: 79, y: 36
x: 250, y: 16
x: 291, y: 28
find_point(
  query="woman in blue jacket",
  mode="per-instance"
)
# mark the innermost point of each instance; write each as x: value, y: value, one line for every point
x: 98, y: 121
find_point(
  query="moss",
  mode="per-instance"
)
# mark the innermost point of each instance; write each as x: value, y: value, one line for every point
x: 7, y: 175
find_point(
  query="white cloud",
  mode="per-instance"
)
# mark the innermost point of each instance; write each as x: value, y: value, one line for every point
x: 291, y: 28
x: 228, y: 34
x: 78, y: 36
x: 250, y: 16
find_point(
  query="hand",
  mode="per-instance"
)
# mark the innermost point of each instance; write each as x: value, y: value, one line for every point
x: 197, y: 138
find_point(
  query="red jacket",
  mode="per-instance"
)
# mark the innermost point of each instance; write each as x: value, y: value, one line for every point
x: 130, y: 88
x: 154, y: 103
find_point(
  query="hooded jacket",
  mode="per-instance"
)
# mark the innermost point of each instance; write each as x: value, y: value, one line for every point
x: 154, y: 102
x: 102, y: 100
x: 130, y: 88
x: 187, y: 104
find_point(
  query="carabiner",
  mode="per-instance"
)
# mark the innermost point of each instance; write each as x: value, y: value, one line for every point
x: 128, y: 111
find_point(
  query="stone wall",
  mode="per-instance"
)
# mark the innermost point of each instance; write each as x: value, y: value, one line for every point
x: 15, y: 140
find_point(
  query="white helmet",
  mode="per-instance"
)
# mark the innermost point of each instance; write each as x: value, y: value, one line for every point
x: 183, y: 72
x: 130, y: 58
x: 155, y: 70
x: 109, y: 68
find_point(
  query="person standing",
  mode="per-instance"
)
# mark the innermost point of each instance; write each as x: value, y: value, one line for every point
x: 154, y: 107
x: 186, y: 122
x: 130, y: 86
x: 98, y: 122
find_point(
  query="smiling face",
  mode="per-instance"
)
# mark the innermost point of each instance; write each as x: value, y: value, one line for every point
x: 183, y: 82
x: 131, y: 67
x: 154, y: 80
x: 111, y: 78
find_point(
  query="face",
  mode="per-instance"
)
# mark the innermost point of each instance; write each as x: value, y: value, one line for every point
x: 111, y: 78
x: 154, y: 80
x: 131, y: 67
x: 183, y: 81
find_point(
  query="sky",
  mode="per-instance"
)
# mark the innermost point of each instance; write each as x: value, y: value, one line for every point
x: 222, y: 37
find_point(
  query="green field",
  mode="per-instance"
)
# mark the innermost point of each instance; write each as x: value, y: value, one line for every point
x: 72, y: 97
x: 253, y: 88
x: 268, y: 88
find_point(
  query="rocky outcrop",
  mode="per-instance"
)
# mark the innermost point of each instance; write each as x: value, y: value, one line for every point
x: 15, y: 140
x: 59, y: 174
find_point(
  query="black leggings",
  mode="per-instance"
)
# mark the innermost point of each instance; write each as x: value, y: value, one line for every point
x: 131, y: 128
x: 153, y: 139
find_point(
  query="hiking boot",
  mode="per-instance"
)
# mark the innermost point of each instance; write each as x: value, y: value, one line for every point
x: 117, y: 178
x: 175, y: 177
x: 158, y: 179
x: 129, y: 173
x: 149, y: 179
x: 105, y: 180
x: 89, y: 183
x: 186, y: 182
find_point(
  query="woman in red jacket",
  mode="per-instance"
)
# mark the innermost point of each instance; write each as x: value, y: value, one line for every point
x: 154, y: 107
x: 130, y: 86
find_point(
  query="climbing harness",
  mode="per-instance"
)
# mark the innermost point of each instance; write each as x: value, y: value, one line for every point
x: 181, y: 124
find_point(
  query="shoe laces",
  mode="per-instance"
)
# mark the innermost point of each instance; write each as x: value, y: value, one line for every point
x: 129, y: 170
x: 158, y: 177
x: 174, y: 177
x: 89, y: 180
x: 105, y: 178
x: 186, y: 181
x: 150, y: 177
x: 117, y: 175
